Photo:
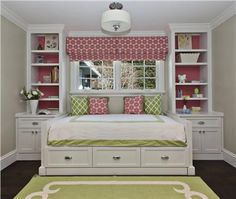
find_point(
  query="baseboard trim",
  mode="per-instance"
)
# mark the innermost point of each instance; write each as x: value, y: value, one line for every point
x: 7, y: 159
x: 229, y: 157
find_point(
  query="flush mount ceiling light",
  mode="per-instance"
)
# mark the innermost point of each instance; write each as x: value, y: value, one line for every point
x: 116, y: 20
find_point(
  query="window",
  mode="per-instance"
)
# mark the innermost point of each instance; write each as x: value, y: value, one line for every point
x: 117, y: 76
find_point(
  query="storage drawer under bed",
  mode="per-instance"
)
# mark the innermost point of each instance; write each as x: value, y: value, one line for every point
x: 73, y: 157
x: 116, y: 157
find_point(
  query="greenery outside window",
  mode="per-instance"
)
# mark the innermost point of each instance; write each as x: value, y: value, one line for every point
x: 117, y: 76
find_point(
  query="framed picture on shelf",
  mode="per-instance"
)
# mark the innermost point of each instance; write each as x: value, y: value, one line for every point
x: 184, y: 41
x: 51, y: 42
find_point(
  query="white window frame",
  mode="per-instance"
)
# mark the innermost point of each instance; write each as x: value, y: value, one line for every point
x: 160, y: 82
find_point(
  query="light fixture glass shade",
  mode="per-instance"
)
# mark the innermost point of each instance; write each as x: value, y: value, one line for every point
x: 116, y: 21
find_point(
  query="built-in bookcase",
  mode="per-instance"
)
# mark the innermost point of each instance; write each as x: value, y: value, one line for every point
x: 45, y: 51
x: 191, y: 58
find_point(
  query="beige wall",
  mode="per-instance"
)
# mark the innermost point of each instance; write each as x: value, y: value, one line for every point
x: 13, y: 77
x: 224, y: 78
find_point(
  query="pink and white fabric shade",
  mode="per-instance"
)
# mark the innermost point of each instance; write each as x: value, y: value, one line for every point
x: 117, y: 48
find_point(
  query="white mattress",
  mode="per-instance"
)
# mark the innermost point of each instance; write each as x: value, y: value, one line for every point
x: 117, y: 127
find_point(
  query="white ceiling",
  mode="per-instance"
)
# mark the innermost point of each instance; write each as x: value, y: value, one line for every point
x: 145, y: 15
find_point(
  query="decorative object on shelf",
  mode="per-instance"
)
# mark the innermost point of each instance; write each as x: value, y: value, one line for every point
x: 196, y: 109
x: 41, y: 42
x: 182, y: 78
x: 185, y: 110
x: 197, y: 93
x: 184, y: 41
x: 55, y: 75
x: 51, y: 42
x: 46, y: 79
x: 179, y: 93
x: 189, y: 57
x: 115, y: 20
x: 33, y: 96
x: 39, y: 59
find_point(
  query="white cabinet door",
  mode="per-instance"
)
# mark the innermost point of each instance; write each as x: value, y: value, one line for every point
x: 211, y: 140
x: 197, y: 141
x: 26, y: 141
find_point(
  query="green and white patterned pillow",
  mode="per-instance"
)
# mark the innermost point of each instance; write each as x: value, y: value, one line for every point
x: 79, y: 105
x: 152, y: 105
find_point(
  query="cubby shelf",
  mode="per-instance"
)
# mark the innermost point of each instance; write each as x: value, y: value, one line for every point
x: 49, y: 99
x: 191, y: 84
x: 192, y: 98
x: 191, y: 64
x: 45, y: 64
x: 190, y: 50
x: 45, y: 84
x: 45, y: 51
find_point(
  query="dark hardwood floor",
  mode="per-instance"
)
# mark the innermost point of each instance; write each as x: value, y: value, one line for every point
x: 219, y: 175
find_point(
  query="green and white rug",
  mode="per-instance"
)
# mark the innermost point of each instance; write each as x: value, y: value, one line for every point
x: 117, y: 187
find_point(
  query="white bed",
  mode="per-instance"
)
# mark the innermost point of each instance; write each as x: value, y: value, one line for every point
x: 116, y: 144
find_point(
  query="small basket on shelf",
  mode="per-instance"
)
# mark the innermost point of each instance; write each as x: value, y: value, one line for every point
x: 188, y: 57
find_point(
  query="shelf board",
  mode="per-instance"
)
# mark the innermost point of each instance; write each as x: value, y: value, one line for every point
x: 190, y: 84
x: 190, y: 50
x: 45, y: 64
x: 45, y: 84
x: 44, y: 51
x: 49, y: 99
x: 191, y: 64
x: 191, y: 98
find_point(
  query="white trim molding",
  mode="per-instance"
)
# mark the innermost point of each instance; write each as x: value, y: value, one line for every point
x: 101, y: 34
x: 13, y: 17
x: 225, y: 15
x: 7, y: 159
x: 229, y: 157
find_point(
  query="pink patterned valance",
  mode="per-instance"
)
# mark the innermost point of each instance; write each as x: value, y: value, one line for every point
x: 117, y: 48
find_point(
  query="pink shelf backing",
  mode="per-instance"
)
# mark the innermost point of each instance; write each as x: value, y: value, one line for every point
x: 49, y: 90
x: 192, y: 72
x: 44, y: 71
x: 180, y: 104
x: 48, y: 104
x: 47, y: 58
x: 188, y: 90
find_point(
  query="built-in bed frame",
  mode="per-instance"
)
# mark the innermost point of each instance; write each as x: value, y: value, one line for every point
x: 116, y: 160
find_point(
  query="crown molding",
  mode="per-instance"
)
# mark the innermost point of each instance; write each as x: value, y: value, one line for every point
x: 45, y: 28
x: 225, y: 15
x: 101, y: 34
x: 14, y: 18
x: 191, y: 27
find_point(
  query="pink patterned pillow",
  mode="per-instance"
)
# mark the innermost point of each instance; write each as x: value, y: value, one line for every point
x: 134, y: 105
x: 98, y: 105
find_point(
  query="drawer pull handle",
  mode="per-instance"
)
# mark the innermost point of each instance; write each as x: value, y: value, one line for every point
x: 68, y: 158
x: 35, y: 123
x: 165, y: 157
x: 116, y: 157
x: 201, y: 122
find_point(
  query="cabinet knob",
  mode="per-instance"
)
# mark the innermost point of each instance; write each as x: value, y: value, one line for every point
x: 116, y: 157
x: 36, y: 132
x: 68, y: 158
x: 165, y: 157
x: 35, y: 123
x: 32, y: 132
x: 203, y: 131
x: 200, y: 131
x: 201, y: 122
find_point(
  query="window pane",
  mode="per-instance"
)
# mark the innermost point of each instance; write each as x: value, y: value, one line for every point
x: 150, y: 62
x: 96, y: 75
x: 107, y: 73
x: 138, y: 83
x: 138, y: 71
x: 107, y: 83
x: 126, y: 83
x: 138, y: 63
x: 150, y: 72
x: 150, y: 83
